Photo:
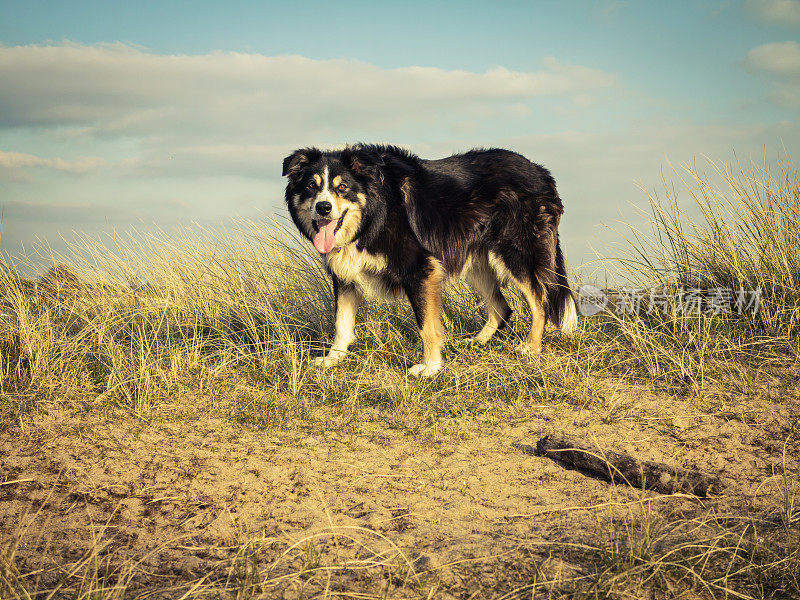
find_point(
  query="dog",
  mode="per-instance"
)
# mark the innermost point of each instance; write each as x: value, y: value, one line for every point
x: 390, y: 224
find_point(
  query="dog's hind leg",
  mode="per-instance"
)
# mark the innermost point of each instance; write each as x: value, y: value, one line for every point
x: 535, y: 298
x: 483, y: 279
x: 347, y: 301
x: 425, y: 296
x: 533, y: 292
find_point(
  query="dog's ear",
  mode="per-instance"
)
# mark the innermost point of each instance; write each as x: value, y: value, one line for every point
x: 362, y: 161
x: 293, y: 163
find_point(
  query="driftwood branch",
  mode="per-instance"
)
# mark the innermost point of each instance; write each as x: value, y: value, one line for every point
x: 623, y: 468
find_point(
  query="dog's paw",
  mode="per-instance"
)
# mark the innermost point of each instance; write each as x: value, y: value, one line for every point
x: 528, y: 349
x: 424, y: 370
x: 324, y: 362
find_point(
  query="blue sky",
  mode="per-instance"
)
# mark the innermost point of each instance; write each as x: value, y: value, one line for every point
x: 133, y: 114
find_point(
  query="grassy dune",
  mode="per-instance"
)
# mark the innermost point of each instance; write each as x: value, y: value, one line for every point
x: 173, y: 331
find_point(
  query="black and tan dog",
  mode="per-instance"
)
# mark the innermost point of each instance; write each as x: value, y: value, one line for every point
x: 391, y: 224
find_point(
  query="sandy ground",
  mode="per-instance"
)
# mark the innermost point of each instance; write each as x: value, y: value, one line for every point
x: 455, y: 506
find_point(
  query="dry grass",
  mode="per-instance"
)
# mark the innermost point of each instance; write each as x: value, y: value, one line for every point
x: 639, y: 554
x: 739, y: 229
x: 234, y: 318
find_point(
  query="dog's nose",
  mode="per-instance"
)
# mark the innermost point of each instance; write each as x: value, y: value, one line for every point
x: 323, y: 208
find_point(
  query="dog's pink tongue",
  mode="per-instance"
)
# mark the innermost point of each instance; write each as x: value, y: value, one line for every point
x: 324, y: 240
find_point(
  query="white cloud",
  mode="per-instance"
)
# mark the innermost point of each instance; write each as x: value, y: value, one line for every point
x: 77, y: 165
x: 781, y: 62
x: 13, y: 164
x: 237, y: 113
x: 118, y: 89
x: 776, y: 12
x: 782, y: 58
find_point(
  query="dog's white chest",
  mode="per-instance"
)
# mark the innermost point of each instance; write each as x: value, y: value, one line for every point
x: 365, y: 270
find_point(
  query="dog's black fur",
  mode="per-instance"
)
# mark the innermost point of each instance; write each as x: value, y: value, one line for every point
x: 406, y: 223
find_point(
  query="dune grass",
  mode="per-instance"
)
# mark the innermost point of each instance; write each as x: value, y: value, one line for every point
x: 735, y: 228
x: 152, y: 318
x: 231, y: 320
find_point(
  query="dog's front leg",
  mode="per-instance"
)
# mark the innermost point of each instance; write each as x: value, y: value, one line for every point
x: 347, y: 301
x: 425, y: 296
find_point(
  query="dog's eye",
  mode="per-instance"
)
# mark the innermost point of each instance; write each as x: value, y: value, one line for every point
x: 342, y: 187
x: 312, y: 185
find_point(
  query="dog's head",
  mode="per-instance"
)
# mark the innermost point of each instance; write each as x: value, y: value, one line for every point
x: 328, y: 192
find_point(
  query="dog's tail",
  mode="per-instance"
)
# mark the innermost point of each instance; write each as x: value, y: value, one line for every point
x: 561, y: 304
